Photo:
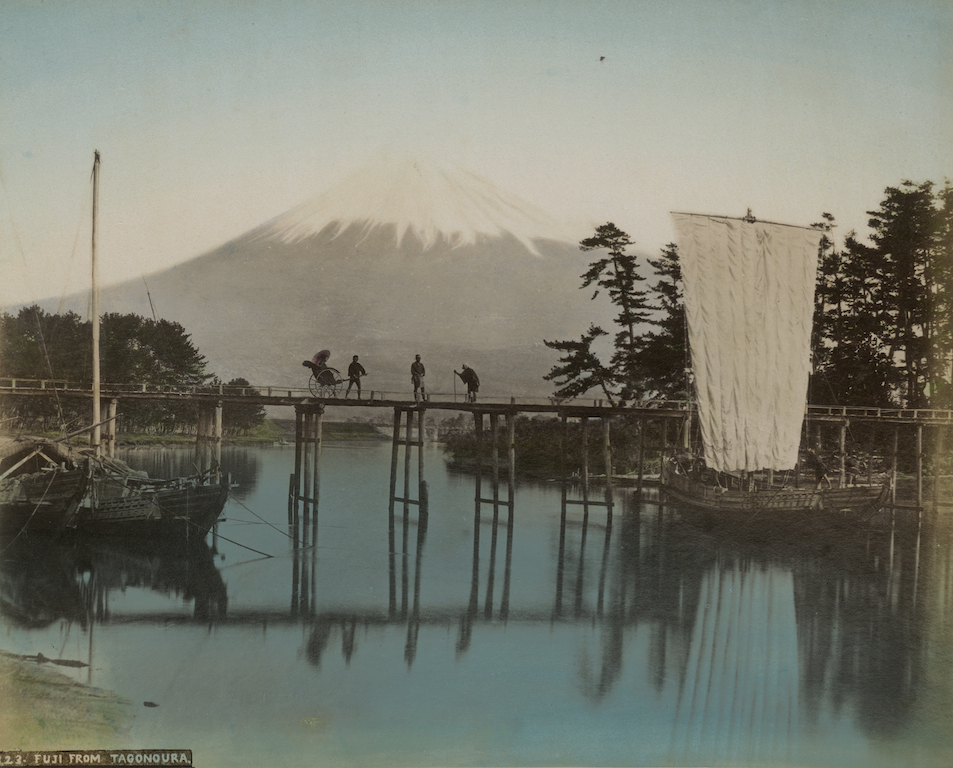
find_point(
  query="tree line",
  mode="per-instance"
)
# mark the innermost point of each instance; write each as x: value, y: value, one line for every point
x: 35, y: 344
x: 883, y: 323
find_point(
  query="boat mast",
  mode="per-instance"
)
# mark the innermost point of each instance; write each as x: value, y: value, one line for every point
x: 94, y: 311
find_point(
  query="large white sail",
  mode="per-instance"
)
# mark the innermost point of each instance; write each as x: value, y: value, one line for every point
x: 749, y: 301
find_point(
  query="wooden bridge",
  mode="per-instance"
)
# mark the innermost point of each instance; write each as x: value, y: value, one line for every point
x: 281, y: 395
x: 310, y: 410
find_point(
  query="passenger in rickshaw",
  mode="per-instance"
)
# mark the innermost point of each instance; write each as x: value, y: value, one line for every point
x: 318, y: 363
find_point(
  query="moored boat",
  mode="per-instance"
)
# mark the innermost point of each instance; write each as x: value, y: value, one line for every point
x: 121, y: 502
x: 41, y: 486
x: 749, y: 305
x: 124, y: 503
x: 744, y: 504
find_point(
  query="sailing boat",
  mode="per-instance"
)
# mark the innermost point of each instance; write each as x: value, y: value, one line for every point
x: 749, y: 302
x: 124, y: 502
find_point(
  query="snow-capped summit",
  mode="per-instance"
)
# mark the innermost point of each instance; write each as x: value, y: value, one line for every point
x: 421, y: 199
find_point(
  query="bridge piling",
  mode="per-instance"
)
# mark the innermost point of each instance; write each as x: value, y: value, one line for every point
x: 111, y: 428
x: 304, y: 481
x: 607, y: 459
x: 208, y: 437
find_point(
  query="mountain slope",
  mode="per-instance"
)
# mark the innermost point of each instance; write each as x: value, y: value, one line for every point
x: 385, y: 266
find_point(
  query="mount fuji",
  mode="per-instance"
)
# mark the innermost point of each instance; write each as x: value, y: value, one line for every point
x: 401, y: 258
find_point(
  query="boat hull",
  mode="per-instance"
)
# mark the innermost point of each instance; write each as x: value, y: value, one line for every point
x: 41, y: 502
x: 774, y: 504
x: 186, y: 513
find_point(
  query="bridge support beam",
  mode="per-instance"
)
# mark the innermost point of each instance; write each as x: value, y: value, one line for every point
x: 208, y: 438
x: 111, y: 427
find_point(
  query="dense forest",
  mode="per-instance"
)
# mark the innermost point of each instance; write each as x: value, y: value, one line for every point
x: 35, y: 344
x: 883, y: 327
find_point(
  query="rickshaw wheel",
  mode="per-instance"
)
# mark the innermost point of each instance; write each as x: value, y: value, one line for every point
x: 327, y: 382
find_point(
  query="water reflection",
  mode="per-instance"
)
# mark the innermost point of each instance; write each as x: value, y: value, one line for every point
x: 753, y: 634
x: 742, y: 648
x: 244, y: 465
x: 44, y: 580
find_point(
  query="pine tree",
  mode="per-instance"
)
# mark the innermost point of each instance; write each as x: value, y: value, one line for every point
x: 581, y: 367
x: 905, y: 239
x: 241, y: 417
x: 663, y: 357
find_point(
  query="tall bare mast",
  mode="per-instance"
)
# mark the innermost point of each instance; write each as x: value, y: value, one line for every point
x: 94, y: 311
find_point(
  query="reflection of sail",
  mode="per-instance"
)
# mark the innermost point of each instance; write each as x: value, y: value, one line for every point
x: 739, y: 696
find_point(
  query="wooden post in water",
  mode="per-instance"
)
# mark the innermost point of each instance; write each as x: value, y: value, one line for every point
x: 478, y: 431
x: 893, y: 467
x: 217, y: 442
x: 841, y: 452
x: 395, y: 443
x: 607, y: 459
x: 420, y: 459
x: 641, y: 452
x: 111, y: 428
x: 392, y: 562
x: 408, y: 434
x: 291, y: 498
x: 937, y: 468
x: 203, y: 431
x: 307, y: 458
x: 584, y: 422
x: 511, y: 462
x: 563, y: 464
x: 299, y: 445
x: 495, y: 458
x: 316, y: 472
x: 919, y: 466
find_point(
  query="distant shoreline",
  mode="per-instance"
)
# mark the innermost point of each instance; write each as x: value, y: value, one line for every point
x: 272, y: 432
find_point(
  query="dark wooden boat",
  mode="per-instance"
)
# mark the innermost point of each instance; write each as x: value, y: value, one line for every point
x: 124, y: 503
x: 41, y: 486
x: 772, y: 500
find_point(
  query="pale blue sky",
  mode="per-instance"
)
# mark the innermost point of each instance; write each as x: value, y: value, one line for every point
x: 213, y: 117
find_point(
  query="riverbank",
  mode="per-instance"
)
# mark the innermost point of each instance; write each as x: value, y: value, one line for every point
x: 45, y: 709
x: 271, y: 432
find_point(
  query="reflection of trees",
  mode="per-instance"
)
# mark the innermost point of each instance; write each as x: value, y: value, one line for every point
x: 39, y: 583
x: 714, y: 604
x: 242, y: 464
x: 859, y: 627
x: 740, y: 628
x: 45, y: 580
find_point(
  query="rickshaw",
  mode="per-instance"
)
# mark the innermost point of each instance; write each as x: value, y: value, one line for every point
x: 325, y: 381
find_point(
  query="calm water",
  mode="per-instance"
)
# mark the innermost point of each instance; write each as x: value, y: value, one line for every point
x: 647, y: 642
